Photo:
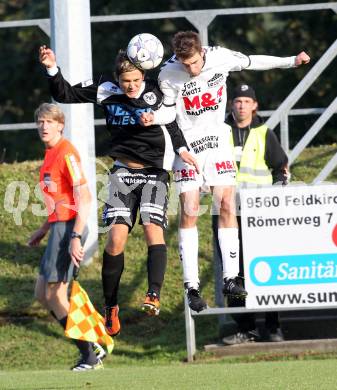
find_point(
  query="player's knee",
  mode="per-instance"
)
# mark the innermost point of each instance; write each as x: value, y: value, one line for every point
x: 116, y: 240
x: 191, y: 209
x: 227, y: 206
x: 154, y: 238
x: 188, y: 221
x: 115, y: 247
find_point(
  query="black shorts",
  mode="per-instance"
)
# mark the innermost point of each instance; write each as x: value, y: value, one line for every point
x: 56, y: 265
x: 130, y: 190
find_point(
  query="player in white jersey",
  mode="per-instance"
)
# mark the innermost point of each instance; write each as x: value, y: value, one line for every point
x: 194, y: 85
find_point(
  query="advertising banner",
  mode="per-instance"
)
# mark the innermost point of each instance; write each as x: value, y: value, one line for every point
x: 290, y: 245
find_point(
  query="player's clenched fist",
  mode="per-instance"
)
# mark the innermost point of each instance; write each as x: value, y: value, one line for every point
x: 302, y: 58
x: 146, y: 119
x: 47, y: 57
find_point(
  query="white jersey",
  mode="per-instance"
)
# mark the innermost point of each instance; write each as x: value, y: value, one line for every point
x: 199, y: 103
x: 201, y: 100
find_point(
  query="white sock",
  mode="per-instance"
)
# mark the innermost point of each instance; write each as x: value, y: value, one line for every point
x: 188, y: 252
x: 229, y: 246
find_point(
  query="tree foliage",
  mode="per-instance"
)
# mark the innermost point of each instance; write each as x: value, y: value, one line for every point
x: 281, y: 34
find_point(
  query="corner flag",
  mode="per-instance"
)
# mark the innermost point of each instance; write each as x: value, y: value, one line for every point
x: 84, y: 322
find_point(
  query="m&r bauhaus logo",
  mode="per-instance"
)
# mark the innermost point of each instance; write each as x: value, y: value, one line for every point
x: 294, y: 269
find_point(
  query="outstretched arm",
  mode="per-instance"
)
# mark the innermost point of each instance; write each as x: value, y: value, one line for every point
x: 261, y: 62
x: 60, y: 89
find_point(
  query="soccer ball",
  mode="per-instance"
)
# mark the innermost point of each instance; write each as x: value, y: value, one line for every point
x: 145, y: 51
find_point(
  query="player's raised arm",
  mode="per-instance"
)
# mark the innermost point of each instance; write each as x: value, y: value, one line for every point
x: 264, y: 62
x: 47, y: 57
x: 60, y: 88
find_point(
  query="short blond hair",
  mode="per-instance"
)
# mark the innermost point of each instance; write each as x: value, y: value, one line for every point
x: 49, y: 110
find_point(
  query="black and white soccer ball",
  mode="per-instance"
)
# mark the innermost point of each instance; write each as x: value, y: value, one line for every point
x: 145, y: 51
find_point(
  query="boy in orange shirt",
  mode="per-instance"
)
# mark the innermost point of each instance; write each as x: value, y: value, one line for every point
x: 67, y: 199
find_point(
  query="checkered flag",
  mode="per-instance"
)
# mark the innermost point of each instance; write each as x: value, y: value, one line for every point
x: 84, y: 322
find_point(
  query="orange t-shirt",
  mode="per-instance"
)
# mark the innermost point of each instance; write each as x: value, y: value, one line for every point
x: 60, y: 172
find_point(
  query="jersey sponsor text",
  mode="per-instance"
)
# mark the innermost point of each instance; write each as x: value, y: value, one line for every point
x: 184, y: 175
x: 225, y: 167
x: 118, y: 115
x: 204, y: 143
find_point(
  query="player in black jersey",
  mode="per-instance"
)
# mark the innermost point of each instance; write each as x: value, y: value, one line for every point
x: 138, y: 180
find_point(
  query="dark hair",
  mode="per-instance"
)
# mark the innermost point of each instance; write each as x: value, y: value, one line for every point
x: 123, y: 64
x: 185, y: 44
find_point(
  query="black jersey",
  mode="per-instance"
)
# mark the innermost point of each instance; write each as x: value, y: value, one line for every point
x: 152, y: 145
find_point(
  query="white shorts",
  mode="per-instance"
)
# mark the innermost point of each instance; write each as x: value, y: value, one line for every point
x: 215, y: 155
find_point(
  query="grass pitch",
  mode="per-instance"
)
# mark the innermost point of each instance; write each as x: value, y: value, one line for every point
x: 149, y: 352
x: 303, y: 375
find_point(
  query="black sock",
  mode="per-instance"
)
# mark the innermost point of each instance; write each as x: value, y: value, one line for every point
x: 156, y: 266
x: 85, y: 347
x: 112, y: 270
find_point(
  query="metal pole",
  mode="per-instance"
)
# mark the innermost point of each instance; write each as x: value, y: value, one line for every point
x: 284, y: 133
x: 71, y: 41
x: 217, y: 269
x: 190, y: 332
x: 315, y: 128
x: 325, y: 172
x: 303, y: 85
x: 201, y: 23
